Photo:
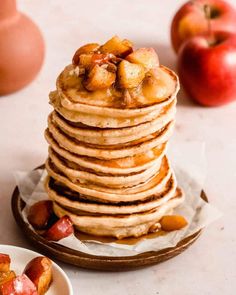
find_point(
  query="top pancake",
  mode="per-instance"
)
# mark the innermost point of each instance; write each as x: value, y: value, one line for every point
x: 104, y: 108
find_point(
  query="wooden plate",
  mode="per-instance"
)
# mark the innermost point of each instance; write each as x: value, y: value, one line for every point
x: 84, y: 260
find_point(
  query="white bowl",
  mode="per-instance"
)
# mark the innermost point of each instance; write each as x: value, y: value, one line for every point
x: 21, y: 256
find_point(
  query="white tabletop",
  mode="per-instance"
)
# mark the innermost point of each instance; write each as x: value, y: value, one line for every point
x: 209, y: 266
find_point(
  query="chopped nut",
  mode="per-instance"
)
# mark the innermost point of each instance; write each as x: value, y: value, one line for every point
x: 127, y: 99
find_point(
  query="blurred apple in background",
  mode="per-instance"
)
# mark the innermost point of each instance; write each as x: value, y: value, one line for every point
x: 190, y: 20
x: 207, y: 68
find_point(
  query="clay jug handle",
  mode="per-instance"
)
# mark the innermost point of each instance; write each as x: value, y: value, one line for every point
x: 7, y: 9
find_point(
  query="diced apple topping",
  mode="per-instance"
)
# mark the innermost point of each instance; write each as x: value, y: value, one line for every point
x: 99, y: 78
x: 117, y: 47
x: 5, y: 261
x: 86, y: 49
x: 144, y: 56
x: 153, y: 87
x: 116, y: 63
x: 21, y: 285
x: 130, y: 75
x: 6, y: 276
x: 87, y: 61
x: 173, y: 222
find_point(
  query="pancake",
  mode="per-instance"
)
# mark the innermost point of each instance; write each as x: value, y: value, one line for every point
x: 113, y: 114
x: 100, y: 121
x: 75, y: 172
x: 72, y: 202
x: 114, y: 136
x: 121, y: 226
x: 107, y: 103
x: 153, y: 186
x: 113, y: 152
x: 126, y: 165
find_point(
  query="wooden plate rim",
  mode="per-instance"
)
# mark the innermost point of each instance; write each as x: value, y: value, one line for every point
x: 85, y: 260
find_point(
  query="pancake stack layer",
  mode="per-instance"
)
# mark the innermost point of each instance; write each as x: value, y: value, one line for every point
x: 113, y: 115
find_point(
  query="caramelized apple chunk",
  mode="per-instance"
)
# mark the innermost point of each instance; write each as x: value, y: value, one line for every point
x: 40, y: 214
x: 6, y: 276
x: 130, y: 75
x: 88, y: 61
x: 99, y: 78
x: 39, y: 271
x: 118, y: 47
x: 144, y: 56
x: 153, y: 87
x: 5, y: 261
x: 86, y: 49
x: 60, y: 230
x: 172, y: 222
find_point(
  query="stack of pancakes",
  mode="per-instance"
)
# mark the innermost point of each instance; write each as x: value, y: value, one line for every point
x: 107, y: 165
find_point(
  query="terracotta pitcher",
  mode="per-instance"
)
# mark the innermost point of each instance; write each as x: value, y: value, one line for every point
x: 21, y: 48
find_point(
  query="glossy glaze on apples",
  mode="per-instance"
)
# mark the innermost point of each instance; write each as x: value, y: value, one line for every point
x: 109, y: 74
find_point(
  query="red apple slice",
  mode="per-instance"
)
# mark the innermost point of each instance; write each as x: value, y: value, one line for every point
x: 40, y: 213
x: 21, y: 285
x: 5, y: 261
x: 130, y: 75
x: 144, y: 56
x: 60, y: 230
x: 39, y: 270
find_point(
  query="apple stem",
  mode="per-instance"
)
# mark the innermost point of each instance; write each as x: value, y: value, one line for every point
x: 207, y: 13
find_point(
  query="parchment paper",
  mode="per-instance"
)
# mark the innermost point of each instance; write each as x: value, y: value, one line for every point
x: 189, y: 163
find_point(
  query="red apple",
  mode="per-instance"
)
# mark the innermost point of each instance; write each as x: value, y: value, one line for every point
x: 60, y: 230
x: 207, y: 68
x: 190, y: 20
x: 20, y: 285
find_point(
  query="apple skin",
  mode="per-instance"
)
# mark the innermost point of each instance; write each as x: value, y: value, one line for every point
x: 40, y: 213
x: 39, y: 271
x: 190, y: 20
x: 208, y: 73
x: 60, y: 230
x: 21, y: 285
